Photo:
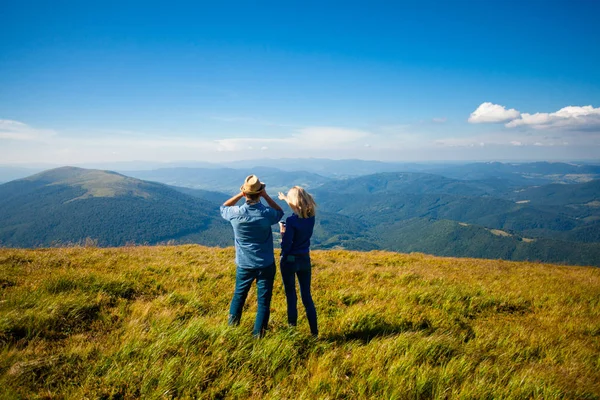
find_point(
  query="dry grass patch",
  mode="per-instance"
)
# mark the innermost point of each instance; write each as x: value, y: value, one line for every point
x: 149, y: 322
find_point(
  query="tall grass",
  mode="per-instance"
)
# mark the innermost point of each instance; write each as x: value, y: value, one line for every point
x: 150, y: 322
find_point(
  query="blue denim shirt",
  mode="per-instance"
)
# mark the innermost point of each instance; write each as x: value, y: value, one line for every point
x: 296, y: 239
x: 253, y: 236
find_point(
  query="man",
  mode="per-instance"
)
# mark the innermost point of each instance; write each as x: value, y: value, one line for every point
x: 253, y: 249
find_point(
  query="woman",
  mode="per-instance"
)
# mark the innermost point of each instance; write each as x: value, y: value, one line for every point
x: 295, y: 254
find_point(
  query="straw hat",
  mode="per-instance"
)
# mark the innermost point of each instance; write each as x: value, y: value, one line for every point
x: 252, y: 185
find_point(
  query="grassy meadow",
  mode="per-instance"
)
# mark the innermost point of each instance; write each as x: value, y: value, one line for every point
x: 150, y: 322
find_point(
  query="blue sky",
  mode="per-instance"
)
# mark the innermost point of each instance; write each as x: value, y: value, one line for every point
x: 220, y: 81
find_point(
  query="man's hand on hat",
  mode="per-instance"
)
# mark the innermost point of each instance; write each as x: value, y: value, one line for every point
x: 269, y: 200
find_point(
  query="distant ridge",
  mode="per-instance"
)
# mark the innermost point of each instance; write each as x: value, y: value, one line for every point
x: 69, y: 204
x: 228, y: 179
x: 493, y: 217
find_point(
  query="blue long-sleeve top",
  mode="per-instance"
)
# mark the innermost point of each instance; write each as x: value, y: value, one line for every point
x: 296, y: 239
x: 252, y: 230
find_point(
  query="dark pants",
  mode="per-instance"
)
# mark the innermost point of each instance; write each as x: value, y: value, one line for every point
x: 290, y: 269
x: 264, y: 291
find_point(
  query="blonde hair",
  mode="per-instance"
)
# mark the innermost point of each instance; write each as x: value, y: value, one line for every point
x: 301, y: 202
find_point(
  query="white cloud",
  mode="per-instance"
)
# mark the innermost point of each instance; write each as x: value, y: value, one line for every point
x: 516, y: 139
x: 574, y: 117
x: 325, y: 135
x: 440, y: 120
x: 316, y: 137
x: 15, y: 130
x: 20, y: 142
x: 460, y: 142
x: 492, y: 113
x: 239, y: 144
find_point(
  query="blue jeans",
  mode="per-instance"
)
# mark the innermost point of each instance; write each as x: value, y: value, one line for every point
x: 264, y: 288
x: 292, y: 267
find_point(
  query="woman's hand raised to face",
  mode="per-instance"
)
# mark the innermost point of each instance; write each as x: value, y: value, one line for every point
x: 281, y: 196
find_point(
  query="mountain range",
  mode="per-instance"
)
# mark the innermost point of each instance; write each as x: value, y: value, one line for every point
x: 523, y: 173
x: 494, y: 211
x: 68, y: 205
x: 228, y: 179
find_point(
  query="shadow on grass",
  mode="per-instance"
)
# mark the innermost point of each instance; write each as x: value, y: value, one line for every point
x: 370, y: 326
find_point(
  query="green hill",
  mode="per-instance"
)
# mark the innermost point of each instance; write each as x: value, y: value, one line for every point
x: 451, y: 238
x: 442, y: 216
x: 561, y: 194
x: 388, y: 198
x: 68, y: 205
x: 150, y: 322
x: 386, y: 211
x: 523, y: 174
x: 411, y: 183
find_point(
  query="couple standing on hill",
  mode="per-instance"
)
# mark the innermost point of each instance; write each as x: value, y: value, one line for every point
x: 254, y: 251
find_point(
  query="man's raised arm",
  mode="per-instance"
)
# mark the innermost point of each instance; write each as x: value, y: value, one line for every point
x: 233, y: 200
x: 270, y: 201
